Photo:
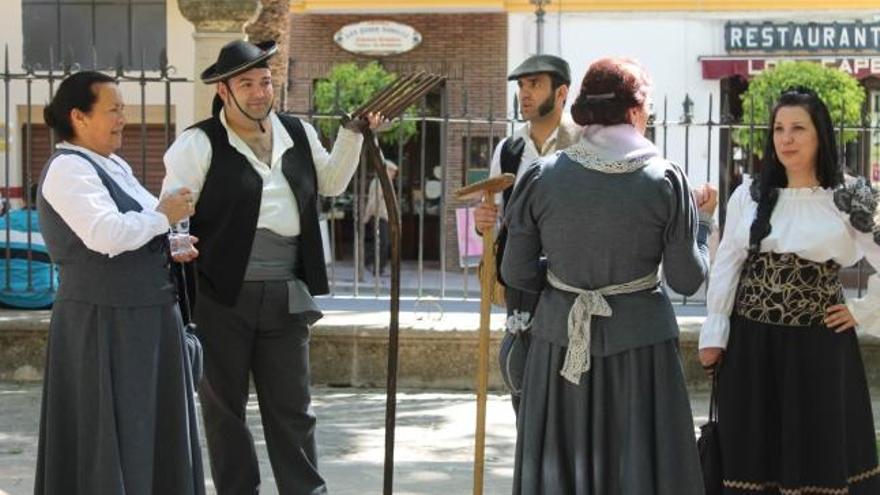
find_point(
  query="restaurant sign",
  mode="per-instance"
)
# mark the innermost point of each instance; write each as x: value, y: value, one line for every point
x: 745, y: 66
x: 377, y: 38
x: 836, y: 37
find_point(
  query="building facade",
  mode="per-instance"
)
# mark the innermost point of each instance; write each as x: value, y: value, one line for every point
x: 468, y: 48
x: 708, y: 56
x: 695, y: 49
x: 39, y: 35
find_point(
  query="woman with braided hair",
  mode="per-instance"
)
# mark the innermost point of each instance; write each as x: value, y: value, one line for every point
x: 794, y: 409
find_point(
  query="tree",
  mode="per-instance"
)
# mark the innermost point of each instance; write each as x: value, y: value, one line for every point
x: 841, y: 93
x: 355, y: 85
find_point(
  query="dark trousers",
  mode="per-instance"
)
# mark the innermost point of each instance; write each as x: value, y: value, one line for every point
x: 370, y: 245
x: 257, y: 336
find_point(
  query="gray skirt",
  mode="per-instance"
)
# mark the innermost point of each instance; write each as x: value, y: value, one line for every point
x: 627, y: 429
x: 118, y: 413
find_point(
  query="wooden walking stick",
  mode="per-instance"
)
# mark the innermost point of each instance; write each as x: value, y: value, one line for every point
x: 485, y: 190
x: 391, y: 102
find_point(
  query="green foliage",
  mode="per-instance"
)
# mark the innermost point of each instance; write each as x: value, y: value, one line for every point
x: 841, y: 93
x: 356, y: 84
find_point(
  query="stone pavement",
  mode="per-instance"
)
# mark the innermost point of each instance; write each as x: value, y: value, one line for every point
x: 434, y: 445
x: 434, y: 448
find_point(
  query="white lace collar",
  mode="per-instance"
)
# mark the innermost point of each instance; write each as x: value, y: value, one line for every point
x: 617, y: 149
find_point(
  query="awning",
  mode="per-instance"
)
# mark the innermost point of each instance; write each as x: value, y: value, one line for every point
x: 859, y: 67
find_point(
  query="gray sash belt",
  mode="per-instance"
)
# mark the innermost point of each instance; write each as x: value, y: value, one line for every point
x: 590, y: 303
x: 274, y: 257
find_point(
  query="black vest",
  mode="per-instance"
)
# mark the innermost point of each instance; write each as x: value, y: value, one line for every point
x: 229, y: 206
x: 135, y: 278
x: 511, y: 155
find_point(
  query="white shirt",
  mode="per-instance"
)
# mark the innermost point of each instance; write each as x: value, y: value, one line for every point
x: 75, y: 191
x: 375, y: 206
x: 531, y: 152
x: 188, y: 159
x: 805, y: 222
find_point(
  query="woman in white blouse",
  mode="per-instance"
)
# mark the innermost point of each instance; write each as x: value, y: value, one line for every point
x: 794, y: 408
x: 118, y: 413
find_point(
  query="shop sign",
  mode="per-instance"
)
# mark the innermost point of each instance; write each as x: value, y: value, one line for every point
x: 377, y: 38
x: 846, y: 37
x: 721, y: 67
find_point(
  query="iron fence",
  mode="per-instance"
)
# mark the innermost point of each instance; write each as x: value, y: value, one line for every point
x: 23, y: 253
x: 704, y: 147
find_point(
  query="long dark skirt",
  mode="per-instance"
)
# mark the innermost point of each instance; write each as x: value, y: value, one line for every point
x: 118, y: 413
x: 627, y: 429
x: 795, y: 413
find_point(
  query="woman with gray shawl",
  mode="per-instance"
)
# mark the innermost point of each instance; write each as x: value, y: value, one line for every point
x: 605, y: 410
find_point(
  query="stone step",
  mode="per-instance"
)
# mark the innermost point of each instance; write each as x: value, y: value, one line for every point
x: 438, y: 350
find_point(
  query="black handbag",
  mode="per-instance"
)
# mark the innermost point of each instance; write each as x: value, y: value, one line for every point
x: 193, y: 345
x: 512, y: 360
x: 709, y: 445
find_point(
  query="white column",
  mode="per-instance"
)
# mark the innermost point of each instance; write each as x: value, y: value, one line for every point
x: 217, y: 22
x: 207, y: 47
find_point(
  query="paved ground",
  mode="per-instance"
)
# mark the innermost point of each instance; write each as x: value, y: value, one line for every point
x: 434, y: 447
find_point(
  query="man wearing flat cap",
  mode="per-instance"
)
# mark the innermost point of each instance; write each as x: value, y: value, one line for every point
x: 256, y: 176
x: 543, y: 82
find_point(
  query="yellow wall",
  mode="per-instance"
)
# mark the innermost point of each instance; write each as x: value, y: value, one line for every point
x: 698, y: 5
x: 576, y: 5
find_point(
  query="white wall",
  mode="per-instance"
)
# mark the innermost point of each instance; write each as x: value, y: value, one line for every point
x: 180, y: 54
x: 668, y: 44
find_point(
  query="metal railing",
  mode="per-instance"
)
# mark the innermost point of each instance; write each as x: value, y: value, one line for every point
x: 679, y: 139
x: 23, y: 250
x: 704, y: 148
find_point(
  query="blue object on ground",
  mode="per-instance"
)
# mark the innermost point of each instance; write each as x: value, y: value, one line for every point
x: 23, y: 290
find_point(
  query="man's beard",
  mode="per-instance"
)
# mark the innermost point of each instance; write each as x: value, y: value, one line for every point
x: 547, y: 106
x: 261, y: 109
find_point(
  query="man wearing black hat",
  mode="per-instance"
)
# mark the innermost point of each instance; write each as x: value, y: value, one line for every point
x: 543, y: 82
x: 256, y: 176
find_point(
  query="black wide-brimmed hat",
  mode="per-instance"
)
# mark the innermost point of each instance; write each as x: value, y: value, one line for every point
x: 542, y: 64
x: 236, y: 57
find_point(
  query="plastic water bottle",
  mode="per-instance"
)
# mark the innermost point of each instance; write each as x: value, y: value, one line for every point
x: 179, y: 238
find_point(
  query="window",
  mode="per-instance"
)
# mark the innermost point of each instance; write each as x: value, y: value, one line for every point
x: 94, y: 32
x: 480, y: 152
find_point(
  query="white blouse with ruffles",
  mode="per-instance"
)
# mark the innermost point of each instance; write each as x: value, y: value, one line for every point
x: 805, y: 222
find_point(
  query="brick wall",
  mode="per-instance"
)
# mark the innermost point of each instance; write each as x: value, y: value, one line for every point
x: 471, y: 49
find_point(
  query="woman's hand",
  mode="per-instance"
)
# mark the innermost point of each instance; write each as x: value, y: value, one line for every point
x: 177, y: 205
x: 710, y: 358
x: 189, y: 255
x: 706, y: 197
x: 839, y: 319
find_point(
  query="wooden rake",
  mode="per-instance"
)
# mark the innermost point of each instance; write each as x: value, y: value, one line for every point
x: 391, y: 102
x: 484, y: 190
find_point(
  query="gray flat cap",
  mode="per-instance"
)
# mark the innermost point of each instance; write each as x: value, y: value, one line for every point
x: 541, y: 64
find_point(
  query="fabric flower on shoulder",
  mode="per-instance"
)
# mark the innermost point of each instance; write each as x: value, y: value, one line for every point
x: 859, y: 200
x: 862, y: 221
x: 843, y: 199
